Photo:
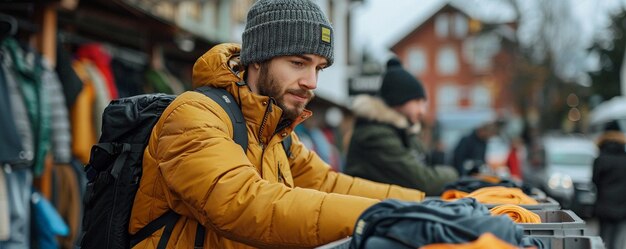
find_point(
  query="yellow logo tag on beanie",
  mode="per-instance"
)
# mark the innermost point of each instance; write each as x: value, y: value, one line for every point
x: 326, y: 34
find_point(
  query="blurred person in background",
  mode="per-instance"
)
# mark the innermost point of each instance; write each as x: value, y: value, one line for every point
x: 514, y: 158
x: 609, y: 174
x: 313, y: 137
x: 384, y: 146
x: 437, y: 154
x: 262, y: 197
x: 470, y: 153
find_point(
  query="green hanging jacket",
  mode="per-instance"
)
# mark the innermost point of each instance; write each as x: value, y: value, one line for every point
x: 28, y: 73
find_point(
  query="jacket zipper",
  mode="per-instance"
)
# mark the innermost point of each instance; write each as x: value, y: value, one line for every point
x: 261, y: 142
x: 265, y: 117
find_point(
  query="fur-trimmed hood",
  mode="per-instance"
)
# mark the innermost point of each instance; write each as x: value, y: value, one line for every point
x: 374, y: 109
x: 611, y: 142
x: 611, y: 136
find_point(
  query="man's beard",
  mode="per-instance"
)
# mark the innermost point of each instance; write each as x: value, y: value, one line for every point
x: 268, y: 86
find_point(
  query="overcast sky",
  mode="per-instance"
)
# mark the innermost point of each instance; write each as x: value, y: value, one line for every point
x: 377, y: 21
x: 380, y: 23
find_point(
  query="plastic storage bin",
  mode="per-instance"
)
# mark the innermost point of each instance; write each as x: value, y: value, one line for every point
x: 572, y: 242
x: 545, y: 203
x: 339, y: 244
x: 555, y: 223
x: 555, y: 242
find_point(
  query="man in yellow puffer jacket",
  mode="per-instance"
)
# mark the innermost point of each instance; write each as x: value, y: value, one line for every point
x: 259, y: 197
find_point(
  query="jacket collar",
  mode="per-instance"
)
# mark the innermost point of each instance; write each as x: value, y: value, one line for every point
x: 219, y: 67
x: 374, y: 109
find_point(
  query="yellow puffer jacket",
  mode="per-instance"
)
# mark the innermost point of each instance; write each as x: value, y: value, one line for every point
x: 258, y: 198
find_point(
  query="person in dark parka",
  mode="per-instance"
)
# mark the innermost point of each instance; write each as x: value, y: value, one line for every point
x: 470, y: 152
x: 384, y: 146
x: 609, y: 171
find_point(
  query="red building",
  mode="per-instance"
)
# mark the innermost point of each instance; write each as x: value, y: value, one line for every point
x: 462, y: 63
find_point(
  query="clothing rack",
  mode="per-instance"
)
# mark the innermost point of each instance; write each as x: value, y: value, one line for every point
x: 126, y: 54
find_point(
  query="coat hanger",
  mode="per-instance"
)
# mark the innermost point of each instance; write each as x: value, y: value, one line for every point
x: 8, y: 26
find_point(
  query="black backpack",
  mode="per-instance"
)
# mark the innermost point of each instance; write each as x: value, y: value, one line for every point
x: 115, y: 168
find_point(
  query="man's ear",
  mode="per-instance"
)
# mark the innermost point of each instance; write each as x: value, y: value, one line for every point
x: 252, y: 75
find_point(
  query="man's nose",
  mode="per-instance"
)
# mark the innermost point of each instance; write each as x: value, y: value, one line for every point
x: 309, y: 80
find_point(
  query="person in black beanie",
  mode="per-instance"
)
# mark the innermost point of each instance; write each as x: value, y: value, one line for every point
x: 399, y: 86
x: 384, y: 146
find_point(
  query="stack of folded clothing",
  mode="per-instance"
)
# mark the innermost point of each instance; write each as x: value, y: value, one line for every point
x: 492, y: 195
x: 516, y: 213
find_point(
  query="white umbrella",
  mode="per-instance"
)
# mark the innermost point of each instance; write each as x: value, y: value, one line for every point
x: 614, y: 109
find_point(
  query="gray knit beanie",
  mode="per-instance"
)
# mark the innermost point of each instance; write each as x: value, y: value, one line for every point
x: 286, y: 27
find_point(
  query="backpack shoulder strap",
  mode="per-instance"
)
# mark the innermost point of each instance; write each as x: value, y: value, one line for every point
x: 287, y: 145
x: 167, y: 220
x: 228, y: 103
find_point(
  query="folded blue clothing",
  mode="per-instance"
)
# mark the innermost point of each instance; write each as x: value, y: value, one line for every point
x: 434, y: 221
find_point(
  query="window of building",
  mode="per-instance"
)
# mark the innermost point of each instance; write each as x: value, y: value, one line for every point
x: 447, y: 96
x: 481, y: 97
x: 480, y: 50
x: 447, y: 61
x: 417, y: 60
x: 442, y: 25
x: 460, y: 25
